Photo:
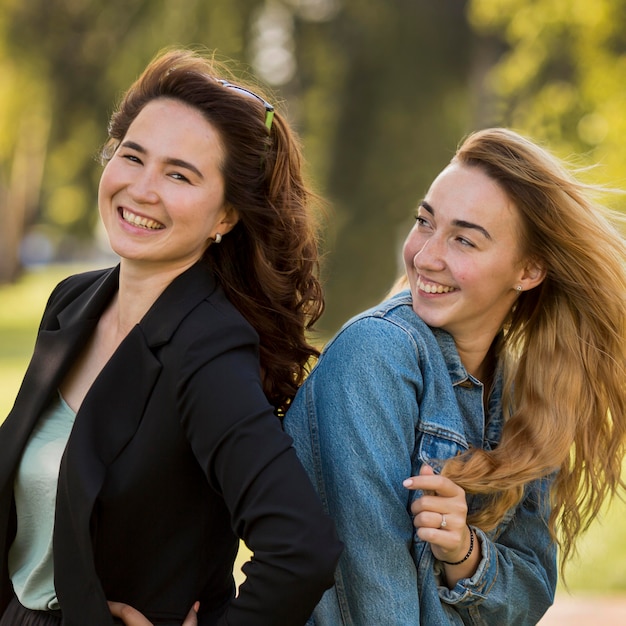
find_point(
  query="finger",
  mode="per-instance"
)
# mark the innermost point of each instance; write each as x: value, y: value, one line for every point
x: 425, y: 470
x: 454, y: 508
x: 129, y: 615
x: 446, y: 546
x: 429, y: 519
x: 441, y: 503
x: 439, y: 537
x: 192, y: 616
x: 434, y: 483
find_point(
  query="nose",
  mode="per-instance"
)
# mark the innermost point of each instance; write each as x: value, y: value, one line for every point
x: 430, y: 254
x: 143, y: 188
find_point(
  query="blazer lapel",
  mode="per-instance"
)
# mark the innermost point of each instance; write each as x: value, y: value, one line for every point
x: 68, y: 321
x: 112, y: 409
x: 58, y: 342
x: 106, y: 421
x: 51, y: 355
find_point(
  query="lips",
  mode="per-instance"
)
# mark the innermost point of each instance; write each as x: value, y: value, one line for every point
x: 139, y: 221
x: 433, y: 287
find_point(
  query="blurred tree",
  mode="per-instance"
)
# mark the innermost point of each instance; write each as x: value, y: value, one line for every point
x: 380, y: 90
x: 24, y: 125
x: 392, y: 108
x: 562, y: 75
x: 63, y: 63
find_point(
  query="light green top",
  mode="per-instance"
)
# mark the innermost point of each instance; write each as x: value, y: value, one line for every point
x: 30, y: 555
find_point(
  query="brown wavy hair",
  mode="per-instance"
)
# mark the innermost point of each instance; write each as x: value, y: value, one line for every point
x: 268, y: 264
x: 563, y: 348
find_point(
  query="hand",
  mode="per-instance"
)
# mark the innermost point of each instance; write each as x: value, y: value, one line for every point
x: 440, y: 514
x: 133, y: 617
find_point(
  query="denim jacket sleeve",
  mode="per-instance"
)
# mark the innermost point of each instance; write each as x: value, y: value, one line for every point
x: 353, y: 423
x: 356, y: 427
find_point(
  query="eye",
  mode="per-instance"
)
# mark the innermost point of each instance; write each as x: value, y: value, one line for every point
x: 133, y: 158
x: 421, y: 221
x: 179, y: 176
x: 465, y: 242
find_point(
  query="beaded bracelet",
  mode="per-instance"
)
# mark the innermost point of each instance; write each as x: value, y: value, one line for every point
x: 469, y: 552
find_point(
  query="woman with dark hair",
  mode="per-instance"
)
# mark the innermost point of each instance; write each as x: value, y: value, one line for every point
x: 146, y: 438
x: 482, y: 404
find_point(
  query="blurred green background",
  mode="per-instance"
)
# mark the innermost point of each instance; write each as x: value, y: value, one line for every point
x: 380, y: 91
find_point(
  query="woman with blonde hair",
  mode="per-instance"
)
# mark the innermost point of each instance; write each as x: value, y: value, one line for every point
x: 483, y: 406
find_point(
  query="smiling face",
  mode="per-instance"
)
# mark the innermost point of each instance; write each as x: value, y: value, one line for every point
x: 161, y: 196
x: 463, y: 257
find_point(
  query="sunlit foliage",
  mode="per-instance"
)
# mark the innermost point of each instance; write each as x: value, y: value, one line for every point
x: 562, y: 74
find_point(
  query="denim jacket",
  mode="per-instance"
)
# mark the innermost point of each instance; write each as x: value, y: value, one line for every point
x: 387, y: 395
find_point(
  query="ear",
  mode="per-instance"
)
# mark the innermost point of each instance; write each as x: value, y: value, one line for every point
x: 230, y: 217
x: 533, y: 274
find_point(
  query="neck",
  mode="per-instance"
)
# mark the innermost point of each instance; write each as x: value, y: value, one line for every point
x: 478, y: 358
x: 139, y: 288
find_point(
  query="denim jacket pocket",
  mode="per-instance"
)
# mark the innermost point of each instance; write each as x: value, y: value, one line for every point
x: 435, y: 450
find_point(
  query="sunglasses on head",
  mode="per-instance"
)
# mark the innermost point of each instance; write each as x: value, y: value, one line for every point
x: 269, y: 109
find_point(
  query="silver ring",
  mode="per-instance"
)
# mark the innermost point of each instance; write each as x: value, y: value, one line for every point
x: 443, y: 521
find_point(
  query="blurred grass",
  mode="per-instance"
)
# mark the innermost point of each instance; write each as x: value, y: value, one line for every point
x: 601, y: 563
x: 21, y: 306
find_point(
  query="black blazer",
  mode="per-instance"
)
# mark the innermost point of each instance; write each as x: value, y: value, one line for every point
x: 174, y: 454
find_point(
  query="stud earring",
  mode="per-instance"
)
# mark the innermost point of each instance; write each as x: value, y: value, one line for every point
x: 518, y: 288
x: 217, y: 238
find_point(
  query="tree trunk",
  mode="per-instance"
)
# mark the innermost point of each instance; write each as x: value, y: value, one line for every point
x: 20, y: 199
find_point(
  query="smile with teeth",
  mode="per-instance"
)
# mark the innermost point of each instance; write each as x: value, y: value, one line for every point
x: 427, y: 288
x: 142, y: 222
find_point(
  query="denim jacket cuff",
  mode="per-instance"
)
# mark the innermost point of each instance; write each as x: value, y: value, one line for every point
x: 469, y: 590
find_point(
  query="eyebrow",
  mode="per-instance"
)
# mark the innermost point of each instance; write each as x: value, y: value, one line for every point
x: 459, y: 223
x: 170, y: 161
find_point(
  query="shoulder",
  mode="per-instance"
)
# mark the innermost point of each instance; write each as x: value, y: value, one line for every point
x: 194, y: 308
x: 386, y: 342
x: 390, y: 322
x: 72, y: 287
x: 217, y: 316
x: 214, y: 329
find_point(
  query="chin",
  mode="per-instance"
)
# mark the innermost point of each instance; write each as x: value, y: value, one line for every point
x: 426, y: 318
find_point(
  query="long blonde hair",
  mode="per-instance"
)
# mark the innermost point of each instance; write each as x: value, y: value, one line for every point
x: 564, y: 348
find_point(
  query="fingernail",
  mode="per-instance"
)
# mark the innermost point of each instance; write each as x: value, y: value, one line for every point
x: 408, y: 482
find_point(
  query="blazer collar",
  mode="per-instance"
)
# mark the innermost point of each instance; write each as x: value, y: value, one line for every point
x: 183, y: 294
x: 58, y: 343
x: 91, y: 302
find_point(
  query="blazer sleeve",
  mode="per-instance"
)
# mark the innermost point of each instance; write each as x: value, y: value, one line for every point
x: 250, y: 461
